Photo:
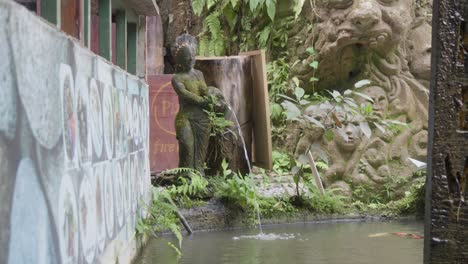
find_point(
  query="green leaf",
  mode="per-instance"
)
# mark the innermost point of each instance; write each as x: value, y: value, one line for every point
x: 198, y: 6
x: 310, y: 50
x: 314, y: 121
x: 314, y: 64
x: 271, y: 9
x: 210, y: 3
x: 313, y: 79
x: 295, y: 81
x: 264, y: 35
x: 297, y: 8
x: 292, y: 111
x: 299, y: 92
x: 362, y: 83
x: 253, y: 5
x: 368, y: 98
x: 231, y: 17
x: 365, y: 129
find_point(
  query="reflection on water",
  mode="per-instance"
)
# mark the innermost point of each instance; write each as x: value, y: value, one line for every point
x: 320, y: 243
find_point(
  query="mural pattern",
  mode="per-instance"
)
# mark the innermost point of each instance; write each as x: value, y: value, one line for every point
x: 74, y: 168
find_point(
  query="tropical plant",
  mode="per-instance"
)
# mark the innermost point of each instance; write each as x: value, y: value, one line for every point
x: 162, y: 216
x: 282, y: 162
x: 328, y: 203
x: 246, y: 21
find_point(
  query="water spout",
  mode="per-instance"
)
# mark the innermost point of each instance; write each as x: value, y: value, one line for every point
x: 246, y: 155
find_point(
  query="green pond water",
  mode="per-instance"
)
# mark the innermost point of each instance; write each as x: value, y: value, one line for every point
x: 315, y: 243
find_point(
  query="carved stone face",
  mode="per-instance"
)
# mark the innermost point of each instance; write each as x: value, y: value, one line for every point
x: 185, y: 58
x: 419, y: 45
x: 380, y: 104
x: 350, y: 30
x: 377, y: 24
x: 349, y: 140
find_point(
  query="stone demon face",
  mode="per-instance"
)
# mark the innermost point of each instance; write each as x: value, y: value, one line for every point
x: 374, y: 24
x: 348, y: 31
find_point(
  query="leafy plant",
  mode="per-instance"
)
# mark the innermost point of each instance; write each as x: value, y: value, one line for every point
x: 195, y: 187
x: 282, y: 162
x: 162, y: 216
x: 328, y: 203
x: 339, y: 110
x: 219, y: 128
x: 239, y: 18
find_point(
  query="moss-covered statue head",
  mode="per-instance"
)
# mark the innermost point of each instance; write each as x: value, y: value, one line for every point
x: 184, y: 51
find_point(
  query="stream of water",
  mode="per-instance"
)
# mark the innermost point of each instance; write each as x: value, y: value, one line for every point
x: 316, y: 243
x: 246, y: 155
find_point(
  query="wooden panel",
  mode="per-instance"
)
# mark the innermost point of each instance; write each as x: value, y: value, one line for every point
x: 164, y: 105
x: 105, y: 30
x: 70, y: 17
x: 131, y: 47
x: 114, y: 43
x: 121, y: 39
x: 141, y: 48
x: 87, y: 22
x: 94, y: 43
x: 261, y: 114
x: 154, y: 45
x: 49, y: 10
x: 232, y: 75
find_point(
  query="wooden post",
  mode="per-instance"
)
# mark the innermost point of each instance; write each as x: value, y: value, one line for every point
x: 141, y: 48
x: 132, y: 47
x: 313, y: 167
x: 121, y: 39
x: 105, y: 22
x: 87, y: 22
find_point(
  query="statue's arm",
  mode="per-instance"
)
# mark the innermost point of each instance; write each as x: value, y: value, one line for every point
x: 190, y: 97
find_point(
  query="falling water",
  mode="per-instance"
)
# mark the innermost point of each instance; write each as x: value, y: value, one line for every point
x: 246, y: 155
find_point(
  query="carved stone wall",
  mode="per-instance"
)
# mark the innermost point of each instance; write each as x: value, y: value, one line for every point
x: 446, y: 209
x: 388, y: 43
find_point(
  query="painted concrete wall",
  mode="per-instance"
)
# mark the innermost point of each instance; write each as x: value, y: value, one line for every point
x: 74, y: 169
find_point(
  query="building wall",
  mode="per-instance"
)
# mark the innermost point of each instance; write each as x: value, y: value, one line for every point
x: 74, y: 169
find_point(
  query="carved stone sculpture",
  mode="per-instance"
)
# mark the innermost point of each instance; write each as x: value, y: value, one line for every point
x: 192, y: 122
x: 368, y: 39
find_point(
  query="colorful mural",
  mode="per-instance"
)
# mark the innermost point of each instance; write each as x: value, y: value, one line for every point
x: 74, y: 168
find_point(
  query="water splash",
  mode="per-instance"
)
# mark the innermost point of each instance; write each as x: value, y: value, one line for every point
x: 267, y: 237
x: 246, y: 155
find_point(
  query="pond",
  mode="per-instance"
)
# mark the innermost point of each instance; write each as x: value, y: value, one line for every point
x: 318, y: 243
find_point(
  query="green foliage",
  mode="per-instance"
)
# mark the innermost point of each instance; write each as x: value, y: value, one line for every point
x: 282, y: 162
x: 232, y: 25
x: 340, y: 109
x: 329, y: 203
x: 240, y: 191
x: 413, y: 202
x: 162, y: 216
x: 181, y: 171
x: 195, y: 187
x: 278, y: 76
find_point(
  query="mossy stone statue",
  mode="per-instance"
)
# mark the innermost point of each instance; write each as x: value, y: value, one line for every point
x: 192, y: 122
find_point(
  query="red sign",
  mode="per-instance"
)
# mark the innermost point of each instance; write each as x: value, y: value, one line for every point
x: 164, y: 105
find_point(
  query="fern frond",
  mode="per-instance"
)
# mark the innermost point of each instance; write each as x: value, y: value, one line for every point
x: 197, y: 6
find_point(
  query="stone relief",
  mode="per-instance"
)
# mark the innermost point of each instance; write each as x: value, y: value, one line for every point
x: 382, y: 41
